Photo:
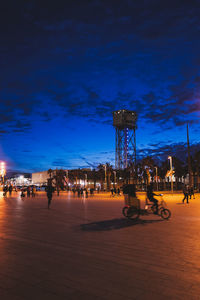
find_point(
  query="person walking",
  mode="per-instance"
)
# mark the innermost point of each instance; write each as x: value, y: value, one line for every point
x: 10, y: 190
x: 186, y: 193
x: 115, y: 190
x: 22, y: 192
x: 118, y: 191
x: 5, y: 190
x: 28, y: 191
x: 33, y: 191
x: 112, y: 191
x: 49, y: 191
x: 191, y: 192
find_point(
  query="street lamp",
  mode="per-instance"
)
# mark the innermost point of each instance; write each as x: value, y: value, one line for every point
x: 171, y: 172
x: 105, y: 177
x: 3, y: 170
x: 114, y: 178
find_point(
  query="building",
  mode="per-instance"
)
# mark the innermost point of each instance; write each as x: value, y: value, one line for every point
x: 40, y: 178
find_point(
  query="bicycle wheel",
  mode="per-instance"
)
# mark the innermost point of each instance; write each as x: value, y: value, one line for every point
x: 165, y: 213
x: 124, y: 211
x: 133, y: 213
x: 160, y: 209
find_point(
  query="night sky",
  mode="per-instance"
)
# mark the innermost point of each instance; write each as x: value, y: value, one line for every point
x: 66, y: 65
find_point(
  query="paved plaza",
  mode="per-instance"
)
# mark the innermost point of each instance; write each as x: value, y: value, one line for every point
x: 83, y: 248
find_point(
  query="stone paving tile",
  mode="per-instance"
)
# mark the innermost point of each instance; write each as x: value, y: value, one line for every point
x: 86, y: 249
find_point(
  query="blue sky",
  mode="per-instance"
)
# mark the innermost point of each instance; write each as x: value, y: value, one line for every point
x: 66, y: 66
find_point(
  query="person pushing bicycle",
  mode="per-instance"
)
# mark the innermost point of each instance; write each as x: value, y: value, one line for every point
x: 150, y: 196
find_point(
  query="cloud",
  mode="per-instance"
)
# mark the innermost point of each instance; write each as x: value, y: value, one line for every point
x: 3, y: 131
x: 60, y: 162
x: 161, y: 152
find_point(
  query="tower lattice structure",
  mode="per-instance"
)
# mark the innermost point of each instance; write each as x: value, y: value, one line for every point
x: 124, y: 122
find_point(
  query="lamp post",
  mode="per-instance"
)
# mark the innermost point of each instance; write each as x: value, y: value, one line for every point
x: 105, y: 177
x: 156, y: 177
x: 114, y: 178
x: 3, y: 171
x: 171, y: 172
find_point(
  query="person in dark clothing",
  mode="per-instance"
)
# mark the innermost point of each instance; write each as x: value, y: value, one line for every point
x: 28, y: 191
x: 118, y: 191
x: 191, y: 192
x: 150, y: 196
x: 10, y: 190
x: 22, y: 192
x: 186, y: 193
x: 49, y: 191
x: 33, y: 191
x: 5, y: 190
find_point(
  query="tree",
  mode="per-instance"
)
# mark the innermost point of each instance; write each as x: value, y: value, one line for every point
x: 163, y: 171
x: 60, y: 179
x: 101, y: 174
x: 50, y: 172
x: 105, y: 171
x: 178, y: 168
x: 109, y: 170
x: 148, y: 167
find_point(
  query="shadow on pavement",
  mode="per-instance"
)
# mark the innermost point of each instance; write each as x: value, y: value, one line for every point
x: 115, y: 224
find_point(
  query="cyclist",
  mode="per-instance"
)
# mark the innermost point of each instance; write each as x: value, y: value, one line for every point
x: 150, y: 196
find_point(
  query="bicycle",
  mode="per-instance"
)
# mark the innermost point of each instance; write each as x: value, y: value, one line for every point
x: 133, y: 210
x: 162, y: 209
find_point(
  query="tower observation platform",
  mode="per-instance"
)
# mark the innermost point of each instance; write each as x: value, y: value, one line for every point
x: 124, y: 122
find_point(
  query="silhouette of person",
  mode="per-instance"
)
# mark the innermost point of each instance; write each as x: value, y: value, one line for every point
x: 10, y: 190
x: 186, y: 193
x: 191, y: 192
x: 22, y: 192
x: 28, y: 191
x: 49, y: 191
x: 5, y: 190
x: 150, y: 196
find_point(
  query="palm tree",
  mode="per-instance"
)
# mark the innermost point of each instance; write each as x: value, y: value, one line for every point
x: 101, y: 174
x: 109, y: 170
x: 50, y: 172
x: 148, y: 166
x: 163, y: 171
x: 60, y: 179
x: 94, y: 176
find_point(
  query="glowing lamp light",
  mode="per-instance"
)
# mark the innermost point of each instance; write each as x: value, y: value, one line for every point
x: 2, y: 168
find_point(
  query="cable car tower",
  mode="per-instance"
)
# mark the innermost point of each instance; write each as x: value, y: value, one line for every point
x: 124, y: 122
